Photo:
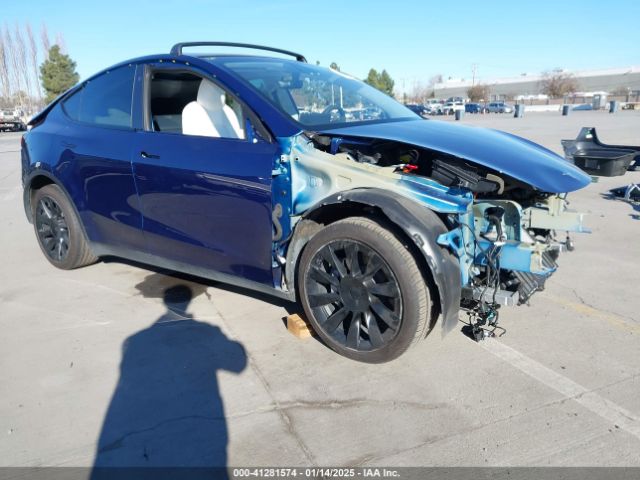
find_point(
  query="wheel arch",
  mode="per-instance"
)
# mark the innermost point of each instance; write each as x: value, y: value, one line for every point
x: 417, y: 225
x: 41, y: 178
x: 35, y: 181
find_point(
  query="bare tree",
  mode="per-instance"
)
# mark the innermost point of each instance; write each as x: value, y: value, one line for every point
x: 21, y: 61
x: 418, y: 93
x: 44, y: 38
x: 620, y: 91
x: 13, y: 61
x: 33, y: 56
x: 435, y: 79
x: 478, y: 92
x: 61, y: 43
x: 5, y: 80
x: 431, y: 84
x: 19, y: 66
x: 558, y: 84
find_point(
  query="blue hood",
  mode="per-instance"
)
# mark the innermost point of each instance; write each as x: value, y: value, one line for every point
x: 516, y: 157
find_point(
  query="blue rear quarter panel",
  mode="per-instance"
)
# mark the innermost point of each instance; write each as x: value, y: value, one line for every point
x: 93, y: 166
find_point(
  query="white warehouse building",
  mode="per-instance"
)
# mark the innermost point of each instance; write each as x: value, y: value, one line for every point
x: 530, y: 85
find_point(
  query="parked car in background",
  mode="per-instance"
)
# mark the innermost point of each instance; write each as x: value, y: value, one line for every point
x: 433, y: 106
x: 246, y: 169
x: 450, y: 108
x: 11, y: 121
x: 499, y: 107
x: 474, y: 108
x: 418, y: 109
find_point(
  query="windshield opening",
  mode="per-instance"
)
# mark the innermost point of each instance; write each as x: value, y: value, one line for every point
x: 315, y: 96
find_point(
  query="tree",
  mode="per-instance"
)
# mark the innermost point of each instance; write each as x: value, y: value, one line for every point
x: 33, y: 56
x: 372, y: 78
x: 58, y: 73
x: 478, y: 92
x: 22, y: 55
x: 387, y: 83
x: 621, y: 91
x: 382, y: 81
x: 418, y: 92
x: 61, y: 43
x: 5, y: 78
x: 13, y: 61
x: 334, y: 66
x: 558, y: 84
x: 435, y: 79
x: 44, y: 38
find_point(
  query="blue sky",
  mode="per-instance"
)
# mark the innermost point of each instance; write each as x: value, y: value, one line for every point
x: 413, y: 40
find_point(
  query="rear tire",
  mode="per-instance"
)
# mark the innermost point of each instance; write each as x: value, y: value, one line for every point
x: 58, y: 230
x: 362, y: 291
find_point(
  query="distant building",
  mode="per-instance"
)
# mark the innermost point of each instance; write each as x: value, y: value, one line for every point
x: 530, y: 85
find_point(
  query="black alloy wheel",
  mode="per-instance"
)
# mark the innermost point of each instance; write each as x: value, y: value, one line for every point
x: 362, y: 290
x: 52, y: 228
x: 58, y: 229
x: 354, y: 295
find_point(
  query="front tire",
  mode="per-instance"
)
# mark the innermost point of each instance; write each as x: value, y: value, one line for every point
x: 362, y: 291
x: 58, y: 229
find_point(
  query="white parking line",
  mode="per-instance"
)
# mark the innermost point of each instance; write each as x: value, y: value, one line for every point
x: 599, y: 405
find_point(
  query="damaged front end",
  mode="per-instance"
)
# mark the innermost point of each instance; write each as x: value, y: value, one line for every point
x: 505, y: 230
x: 508, y: 250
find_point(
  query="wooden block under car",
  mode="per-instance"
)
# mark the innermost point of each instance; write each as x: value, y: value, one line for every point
x: 297, y: 326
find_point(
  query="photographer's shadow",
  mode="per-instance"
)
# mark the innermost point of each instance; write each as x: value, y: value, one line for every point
x: 166, y: 410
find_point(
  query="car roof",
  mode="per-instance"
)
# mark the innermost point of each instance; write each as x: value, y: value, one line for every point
x: 177, y: 54
x: 220, y: 58
x: 176, y: 50
x: 281, y: 124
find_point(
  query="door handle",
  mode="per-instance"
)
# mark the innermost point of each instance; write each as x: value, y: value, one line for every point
x: 144, y: 154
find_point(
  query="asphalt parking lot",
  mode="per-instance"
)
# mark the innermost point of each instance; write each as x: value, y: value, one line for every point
x: 90, y: 371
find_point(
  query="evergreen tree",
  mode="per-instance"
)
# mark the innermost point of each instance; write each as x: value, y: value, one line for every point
x: 382, y: 81
x: 57, y: 73
x: 386, y: 83
x: 373, y: 78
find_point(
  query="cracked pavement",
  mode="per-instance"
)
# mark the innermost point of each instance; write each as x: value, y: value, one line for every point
x: 95, y: 368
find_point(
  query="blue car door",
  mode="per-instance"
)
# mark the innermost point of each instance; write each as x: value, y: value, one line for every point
x: 206, y: 200
x: 93, y: 131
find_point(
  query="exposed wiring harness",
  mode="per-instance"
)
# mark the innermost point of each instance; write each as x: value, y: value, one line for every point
x: 484, y: 312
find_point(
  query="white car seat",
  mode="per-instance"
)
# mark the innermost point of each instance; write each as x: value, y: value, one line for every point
x: 210, y: 116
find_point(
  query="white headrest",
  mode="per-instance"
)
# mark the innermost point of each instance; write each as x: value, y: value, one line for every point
x: 210, y: 96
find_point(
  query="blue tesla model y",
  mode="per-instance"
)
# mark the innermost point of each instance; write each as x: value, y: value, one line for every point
x: 266, y: 172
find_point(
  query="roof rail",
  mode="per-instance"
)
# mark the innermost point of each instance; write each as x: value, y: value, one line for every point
x: 177, y: 48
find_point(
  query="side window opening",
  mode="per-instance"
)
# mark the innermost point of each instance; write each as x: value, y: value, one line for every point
x: 184, y: 103
x: 105, y: 100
